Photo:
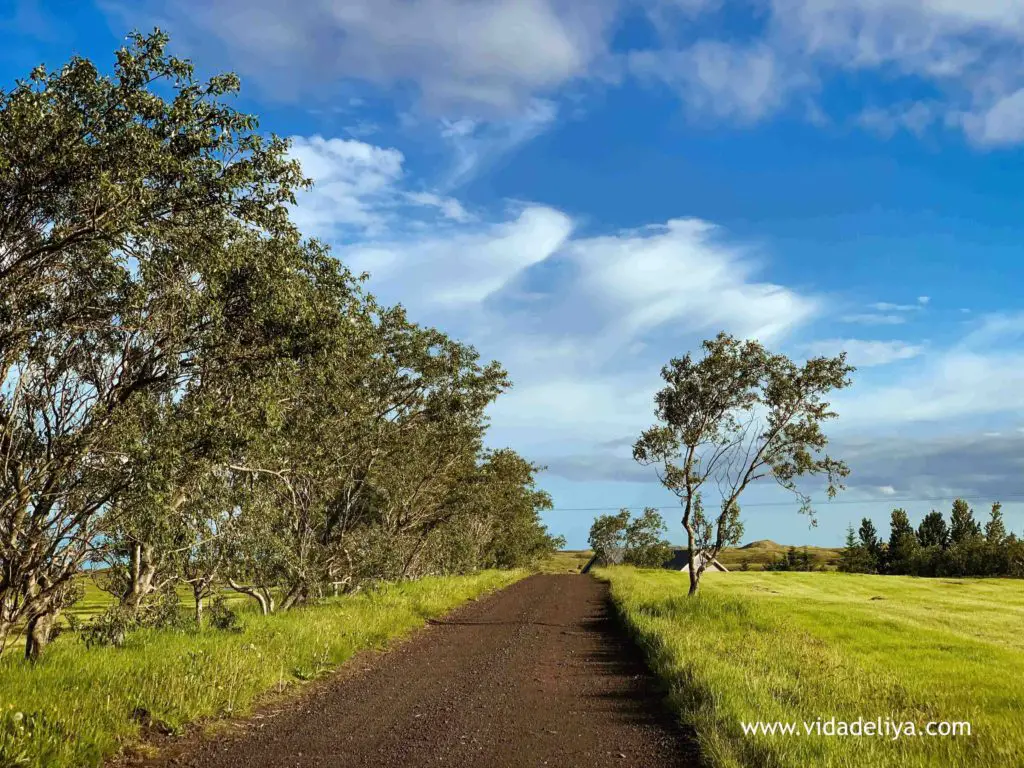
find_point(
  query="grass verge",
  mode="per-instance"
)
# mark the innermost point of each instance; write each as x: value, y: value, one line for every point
x: 78, y: 706
x: 798, y: 647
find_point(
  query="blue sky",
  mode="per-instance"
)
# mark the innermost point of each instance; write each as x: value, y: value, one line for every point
x: 584, y: 190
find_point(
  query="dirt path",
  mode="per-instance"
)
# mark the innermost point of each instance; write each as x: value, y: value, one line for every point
x: 535, y: 675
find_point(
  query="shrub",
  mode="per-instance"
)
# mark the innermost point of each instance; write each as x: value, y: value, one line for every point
x: 222, y: 617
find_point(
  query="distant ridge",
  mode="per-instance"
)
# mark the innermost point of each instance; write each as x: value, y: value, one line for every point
x: 761, y: 544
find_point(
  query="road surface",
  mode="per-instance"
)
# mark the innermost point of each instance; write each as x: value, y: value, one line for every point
x: 538, y: 674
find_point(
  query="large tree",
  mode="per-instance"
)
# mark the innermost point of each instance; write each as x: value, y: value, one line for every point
x: 963, y: 527
x: 933, y: 531
x: 738, y: 415
x: 902, y: 542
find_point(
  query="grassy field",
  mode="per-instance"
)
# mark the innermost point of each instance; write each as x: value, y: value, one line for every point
x: 76, y: 706
x: 566, y: 561
x: 795, y: 647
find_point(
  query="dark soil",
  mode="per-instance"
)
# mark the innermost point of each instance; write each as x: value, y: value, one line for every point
x: 537, y: 674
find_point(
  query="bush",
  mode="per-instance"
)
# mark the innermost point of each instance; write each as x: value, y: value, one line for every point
x: 222, y: 617
x: 160, y: 611
x: 109, y: 628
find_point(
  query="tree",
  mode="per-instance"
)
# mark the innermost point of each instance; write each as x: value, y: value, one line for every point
x: 902, y: 542
x: 995, y: 528
x: 963, y: 527
x: 646, y: 546
x: 854, y: 557
x: 867, y: 534
x: 933, y: 532
x: 608, y: 536
x: 736, y: 416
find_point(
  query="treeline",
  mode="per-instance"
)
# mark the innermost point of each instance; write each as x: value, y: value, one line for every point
x: 962, y: 547
x: 192, y: 393
x: 793, y: 560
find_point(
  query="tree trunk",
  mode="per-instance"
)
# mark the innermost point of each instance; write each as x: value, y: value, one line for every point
x: 295, y: 596
x: 199, y: 594
x: 142, y: 573
x: 37, y: 635
x: 690, y: 542
x: 260, y: 594
x: 5, y: 631
x: 266, y: 602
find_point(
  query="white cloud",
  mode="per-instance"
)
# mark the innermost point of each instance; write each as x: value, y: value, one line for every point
x: 965, y: 52
x: 869, y: 318
x: 448, y: 271
x: 723, y: 80
x: 1000, y: 124
x: 680, y: 273
x: 360, y: 190
x: 963, y: 55
x: 915, y: 118
x: 885, y: 306
x: 956, y: 385
x: 353, y: 181
x: 449, y: 206
x: 494, y: 58
x: 489, y: 56
x: 584, y: 324
x: 475, y: 144
x: 866, y: 354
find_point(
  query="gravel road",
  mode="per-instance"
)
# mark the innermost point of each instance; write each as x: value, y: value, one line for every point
x: 538, y: 674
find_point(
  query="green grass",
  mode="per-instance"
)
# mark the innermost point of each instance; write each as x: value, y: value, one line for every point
x: 796, y: 647
x: 74, y: 708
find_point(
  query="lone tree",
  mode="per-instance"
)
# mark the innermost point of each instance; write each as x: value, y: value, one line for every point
x: 736, y: 416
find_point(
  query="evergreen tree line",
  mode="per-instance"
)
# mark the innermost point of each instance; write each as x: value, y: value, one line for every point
x: 191, y: 393
x: 962, y: 547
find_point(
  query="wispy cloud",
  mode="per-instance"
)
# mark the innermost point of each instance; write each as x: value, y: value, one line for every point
x: 869, y: 318
x: 885, y: 306
x: 723, y: 80
x: 866, y: 354
x: 965, y: 56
